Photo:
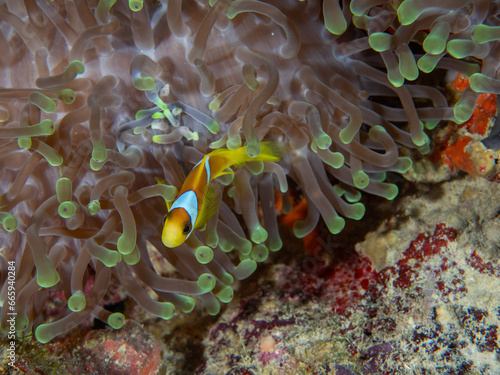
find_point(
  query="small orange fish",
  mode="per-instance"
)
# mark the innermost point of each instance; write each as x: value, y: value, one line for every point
x: 196, y: 202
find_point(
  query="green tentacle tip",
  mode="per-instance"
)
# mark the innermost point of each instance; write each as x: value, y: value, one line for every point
x: 375, y: 132
x: 144, y: 83
x: 482, y: 83
x: 111, y: 259
x: 24, y: 142
x: 99, y: 152
x: 335, y: 224
x: 66, y: 209
x: 407, y: 12
x: 323, y: 141
x: 260, y: 253
x: 403, y: 164
x: 484, y: 33
x: 44, y: 333
x: 427, y: 63
x: 52, y: 156
x: 75, y: 67
x: 460, y: 48
x: 206, y: 282
x: 64, y: 189
x: 339, y: 190
x: 103, y: 8
x: 214, y: 105
x: 94, y: 207
x: 166, y: 310
x: 352, y: 196
x: 46, y: 127
x: 77, y: 301
x: 334, y: 159
x: 48, y: 277
x: 213, y: 126
x: 408, y: 67
x: 204, y: 254
x: 360, y: 179
x: 259, y: 234
x: 225, y: 246
x: 133, y: 258
x: 116, y: 320
x: 420, y: 138
x: 141, y: 113
x: 225, y: 295
x: 43, y: 102
x: 335, y: 21
x: 96, y: 165
x: 226, y: 278
x: 253, y: 149
x: 425, y: 149
x: 226, y: 179
x: 233, y: 142
x: 192, y: 136
x: 245, y: 247
x: 218, y: 143
x: 395, y: 77
x: 347, y: 134
x: 463, y: 110
x: 380, y: 41
x: 186, y: 304
x: 390, y: 192
x: 22, y: 323
x: 213, y: 308
x: 9, y: 222
x: 431, y: 124
x: 275, y: 244
x: 67, y: 96
x: 435, y: 42
x: 255, y: 167
x: 135, y: 5
x: 245, y: 269
x: 356, y: 211
x: 126, y: 243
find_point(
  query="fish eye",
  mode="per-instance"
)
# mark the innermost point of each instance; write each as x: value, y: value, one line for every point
x: 186, y: 229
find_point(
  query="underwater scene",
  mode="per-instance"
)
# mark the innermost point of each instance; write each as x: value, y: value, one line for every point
x: 245, y: 187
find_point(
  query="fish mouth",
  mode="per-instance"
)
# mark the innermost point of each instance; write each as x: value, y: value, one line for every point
x: 170, y: 244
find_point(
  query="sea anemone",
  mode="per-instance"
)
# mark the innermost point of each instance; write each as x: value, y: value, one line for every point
x: 102, y: 97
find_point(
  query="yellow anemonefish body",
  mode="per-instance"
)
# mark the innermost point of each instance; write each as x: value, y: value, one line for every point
x: 196, y: 202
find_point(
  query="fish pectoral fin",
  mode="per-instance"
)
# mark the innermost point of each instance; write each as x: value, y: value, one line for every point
x: 225, y: 171
x: 210, y: 206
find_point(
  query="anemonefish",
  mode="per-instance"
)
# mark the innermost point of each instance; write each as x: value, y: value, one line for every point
x: 196, y: 202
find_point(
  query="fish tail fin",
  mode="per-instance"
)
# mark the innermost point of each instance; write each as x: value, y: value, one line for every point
x: 225, y: 158
x: 269, y: 151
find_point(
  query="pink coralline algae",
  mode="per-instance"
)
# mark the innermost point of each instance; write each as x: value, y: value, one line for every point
x: 423, y: 247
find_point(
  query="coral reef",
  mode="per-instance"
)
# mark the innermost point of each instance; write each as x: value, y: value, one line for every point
x: 471, y: 146
x: 433, y: 310
x: 101, y: 97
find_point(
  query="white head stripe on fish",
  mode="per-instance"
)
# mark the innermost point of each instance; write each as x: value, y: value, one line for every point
x: 207, y: 168
x: 189, y: 202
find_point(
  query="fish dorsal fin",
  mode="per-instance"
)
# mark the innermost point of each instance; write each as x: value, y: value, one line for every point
x: 160, y: 181
x: 210, y: 206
